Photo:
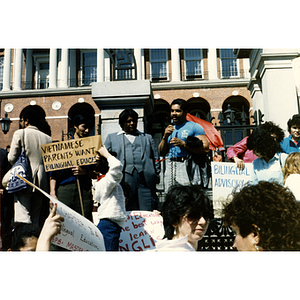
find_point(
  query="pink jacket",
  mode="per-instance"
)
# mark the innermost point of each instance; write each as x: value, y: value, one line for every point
x: 240, y: 150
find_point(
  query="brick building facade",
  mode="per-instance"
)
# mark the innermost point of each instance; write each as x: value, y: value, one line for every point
x: 59, y: 82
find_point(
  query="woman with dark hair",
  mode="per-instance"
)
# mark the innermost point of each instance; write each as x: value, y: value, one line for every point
x: 268, y: 166
x: 64, y: 183
x: 265, y: 216
x: 186, y: 213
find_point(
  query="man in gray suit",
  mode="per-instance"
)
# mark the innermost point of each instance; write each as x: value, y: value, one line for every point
x: 139, y: 156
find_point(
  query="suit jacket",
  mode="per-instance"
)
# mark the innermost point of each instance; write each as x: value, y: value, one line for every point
x: 33, y: 139
x: 150, y: 157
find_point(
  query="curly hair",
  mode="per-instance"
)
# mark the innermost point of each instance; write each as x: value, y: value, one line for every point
x: 263, y: 142
x: 272, y: 128
x: 272, y: 208
x: 182, y: 200
x: 295, y: 120
x: 292, y: 165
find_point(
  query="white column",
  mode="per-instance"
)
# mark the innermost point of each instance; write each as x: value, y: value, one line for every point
x: 212, y: 63
x: 138, y: 60
x: 175, y: 64
x: 18, y: 59
x: 100, y: 65
x: 64, y: 68
x: 73, y: 75
x: 6, y: 70
x: 106, y: 67
x: 28, y: 70
x: 53, y: 69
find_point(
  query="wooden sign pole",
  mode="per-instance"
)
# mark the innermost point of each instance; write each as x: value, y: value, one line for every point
x: 80, y: 197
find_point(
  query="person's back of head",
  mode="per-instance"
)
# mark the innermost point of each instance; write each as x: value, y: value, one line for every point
x: 184, y: 200
x: 18, y: 236
x: 262, y: 142
x: 292, y: 165
x: 269, y: 210
x: 273, y: 129
x: 102, y: 165
x: 30, y: 115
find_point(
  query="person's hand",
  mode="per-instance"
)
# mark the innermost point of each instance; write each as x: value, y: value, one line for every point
x: 77, y: 170
x: 104, y: 152
x: 168, y: 131
x: 52, y: 227
x: 177, y: 142
x: 239, y: 162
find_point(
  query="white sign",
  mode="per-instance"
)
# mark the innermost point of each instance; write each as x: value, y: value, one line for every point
x: 226, y: 177
x: 141, y: 231
x: 77, y: 232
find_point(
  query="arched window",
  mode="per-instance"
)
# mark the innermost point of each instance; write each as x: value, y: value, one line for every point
x: 200, y: 108
x: 234, y: 117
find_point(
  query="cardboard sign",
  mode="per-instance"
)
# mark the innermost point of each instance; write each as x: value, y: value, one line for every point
x: 140, y: 231
x: 77, y: 232
x: 76, y: 152
x: 226, y: 177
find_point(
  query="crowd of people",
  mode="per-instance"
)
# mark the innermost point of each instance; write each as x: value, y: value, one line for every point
x: 126, y: 170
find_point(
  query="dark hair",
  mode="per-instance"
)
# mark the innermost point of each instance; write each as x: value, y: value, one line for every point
x: 184, y: 200
x: 125, y: 114
x: 18, y: 235
x: 272, y: 208
x: 272, y: 128
x: 31, y: 116
x: 295, y: 120
x: 44, y: 127
x: 102, y: 164
x: 263, y: 142
x: 182, y: 103
x: 83, y: 118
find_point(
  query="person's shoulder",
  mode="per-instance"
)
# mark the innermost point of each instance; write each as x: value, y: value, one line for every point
x: 194, y: 125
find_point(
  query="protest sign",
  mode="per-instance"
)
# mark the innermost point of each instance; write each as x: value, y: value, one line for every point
x: 226, y: 177
x: 141, y: 231
x: 77, y: 232
x: 76, y: 152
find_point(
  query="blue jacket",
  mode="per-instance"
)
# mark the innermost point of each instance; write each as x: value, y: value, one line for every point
x: 288, y: 145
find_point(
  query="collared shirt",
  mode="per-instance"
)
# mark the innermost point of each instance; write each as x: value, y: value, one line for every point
x: 130, y: 137
x: 268, y: 171
x: 288, y: 145
x: 180, y: 244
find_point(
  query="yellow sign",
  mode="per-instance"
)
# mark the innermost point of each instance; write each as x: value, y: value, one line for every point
x: 77, y: 152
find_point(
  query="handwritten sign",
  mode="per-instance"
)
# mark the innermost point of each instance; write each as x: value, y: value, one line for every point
x: 76, y: 152
x: 140, y: 231
x: 77, y: 232
x: 226, y: 177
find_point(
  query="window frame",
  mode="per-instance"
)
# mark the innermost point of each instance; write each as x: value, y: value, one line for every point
x: 165, y: 61
x: 82, y: 66
x: 194, y: 76
x: 223, y: 59
x: 40, y: 59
